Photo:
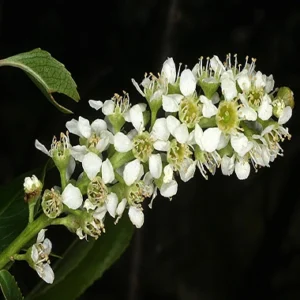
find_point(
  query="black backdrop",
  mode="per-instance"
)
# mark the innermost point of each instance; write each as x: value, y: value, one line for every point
x: 217, y: 239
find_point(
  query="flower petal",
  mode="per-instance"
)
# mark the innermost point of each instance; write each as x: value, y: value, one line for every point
x: 136, y: 85
x: 211, y: 138
x: 72, y: 196
x: 170, y: 103
x: 227, y: 165
x: 240, y: 144
x: 41, y: 147
x: 95, y: 104
x: 112, y: 203
x: 108, y: 174
x: 131, y: 172
x: 98, y: 126
x: 78, y: 152
x: 108, y: 107
x: 70, y: 169
x: 72, y: 127
x: 209, y: 109
x: 136, y: 216
x: 181, y: 133
x: 187, y: 169
x: 187, y: 83
x: 242, y: 169
x: 122, y: 143
x: 169, y: 189
x: 121, y: 207
x: 169, y: 70
x: 136, y: 117
x: 172, y: 124
x: 160, y: 130
x: 46, y: 273
x: 155, y: 165
x: 285, y: 115
x: 84, y: 127
x: 91, y: 164
x: 41, y: 236
x: 265, y: 110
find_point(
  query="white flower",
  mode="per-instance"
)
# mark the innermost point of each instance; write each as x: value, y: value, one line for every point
x: 187, y: 83
x: 135, y: 116
x: 108, y: 174
x: 31, y: 184
x: 217, y: 65
x: 40, y: 252
x: 187, y: 169
x: 210, y: 139
x: 72, y: 197
x: 177, y: 129
x: 169, y: 189
x: 246, y: 112
x: 171, y: 102
x: 228, y: 85
x: 122, y: 142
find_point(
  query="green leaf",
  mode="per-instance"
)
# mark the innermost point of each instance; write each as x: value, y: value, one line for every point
x: 13, y: 209
x: 49, y: 75
x: 104, y: 252
x: 9, y: 286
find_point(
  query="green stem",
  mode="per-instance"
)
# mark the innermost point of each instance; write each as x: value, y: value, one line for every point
x: 153, y: 117
x: 30, y: 231
x: 20, y: 257
x: 31, y: 206
x: 119, y: 159
x: 63, y: 178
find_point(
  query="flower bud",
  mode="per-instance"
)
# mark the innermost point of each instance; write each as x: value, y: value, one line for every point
x: 287, y: 96
x: 32, y: 188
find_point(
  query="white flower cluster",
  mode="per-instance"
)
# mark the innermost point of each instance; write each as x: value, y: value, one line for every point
x: 215, y: 115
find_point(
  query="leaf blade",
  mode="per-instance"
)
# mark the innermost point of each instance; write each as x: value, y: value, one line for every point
x: 9, y: 286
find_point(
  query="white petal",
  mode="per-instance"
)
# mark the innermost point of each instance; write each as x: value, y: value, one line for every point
x: 269, y: 84
x: 112, y: 203
x: 169, y: 70
x: 95, y: 104
x: 242, y: 169
x: 72, y: 127
x: 248, y: 113
x: 181, y: 133
x: 108, y: 174
x: 72, y: 196
x: 157, y: 95
x: 227, y: 165
x: 211, y: 138
x: 106, y: 138
x: 34, y: 254
x: 41, y: 147
x: 91, y: 165
x: 122, y: 143
x: 223, y: 141
x: 70, y: 169
x: 170, y: 103
x: 259, y: 81
x: 78, y: 152
x: 136, y: 216
x: 155, y: 165
x: 215, y: 98
x: 160, y: 130
x: 229, y: 90
x: 108, y: 107
x: 168, y: 174
x: 265, y: 110
x: 169, y: 189
x: 88, y: 205
x: 136, y: 117
x: 217, y: 65
x: 244, y: 81
x: 285, y: 115
x: 196, y: 70
x: 132, y: 172
x: 121, y: 207
x: 46, y: 273
x: 161, y: 145
x: 137, y: 86
x: 187, y: 83
x: 99, y: 125
x: 100, y: 212
x: 198, y: 136
x: 172, y: 124
x: 47, y: 245
x: 209, y: 109
x: 41, y: 236
x: 240, y: 144
x: 187, y: 169
x: 84, y: 127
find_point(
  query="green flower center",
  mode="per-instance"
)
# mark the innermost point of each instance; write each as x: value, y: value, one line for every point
x: 177, y: 153
x: 97, y: 191
x: 227, y: 116
x: 254, y: 97
x: 52, y: 203
x: 142, y: 146
x: 136, y: 193
x: 190, y: 111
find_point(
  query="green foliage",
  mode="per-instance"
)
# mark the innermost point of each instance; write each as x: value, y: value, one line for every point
x: 85, y: 262
x: 9, y: 286
x: 49, y: 75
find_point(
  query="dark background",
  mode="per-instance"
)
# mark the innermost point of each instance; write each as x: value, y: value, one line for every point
x: 217, y: 239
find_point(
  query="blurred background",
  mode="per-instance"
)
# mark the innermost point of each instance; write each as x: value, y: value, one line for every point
x: 217, y: 239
